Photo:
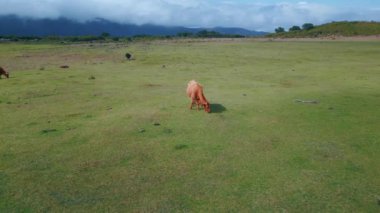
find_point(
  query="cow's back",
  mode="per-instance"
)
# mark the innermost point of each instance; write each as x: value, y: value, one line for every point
x: 192, y: 88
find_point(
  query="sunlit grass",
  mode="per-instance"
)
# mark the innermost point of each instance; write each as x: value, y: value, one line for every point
x: 109, y: 134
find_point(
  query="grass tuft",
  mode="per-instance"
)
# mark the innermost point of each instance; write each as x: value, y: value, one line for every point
x: 181, y: 146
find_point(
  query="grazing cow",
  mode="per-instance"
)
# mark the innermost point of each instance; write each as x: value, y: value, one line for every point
x: 195, y: 92
x: 3, y: 72
x: 128, y: 56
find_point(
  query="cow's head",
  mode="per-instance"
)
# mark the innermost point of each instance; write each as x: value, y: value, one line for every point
x: 6, y: 74
x: 207, y: 108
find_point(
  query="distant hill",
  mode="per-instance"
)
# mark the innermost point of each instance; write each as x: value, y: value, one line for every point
x: 344, y: 28
x: 14, y: 25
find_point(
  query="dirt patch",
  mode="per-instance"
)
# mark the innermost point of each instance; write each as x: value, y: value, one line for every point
x: 287, y: 84
x: 45, y: 131
x: 48, y: 58
x: 74, y: 115
x: 151, y: 85
x: 23, y: 56
x: 181, y: 146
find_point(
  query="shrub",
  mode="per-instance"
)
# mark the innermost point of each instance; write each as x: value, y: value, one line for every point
x: 307, y: 26
x: 279, y: 30
x: 294, y: 28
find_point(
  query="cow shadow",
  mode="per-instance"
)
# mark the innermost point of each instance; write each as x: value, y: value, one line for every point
x: 217, y: 108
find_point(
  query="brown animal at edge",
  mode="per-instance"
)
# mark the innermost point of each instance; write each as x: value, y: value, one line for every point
x: 4, y: 72
x: 195, y: 92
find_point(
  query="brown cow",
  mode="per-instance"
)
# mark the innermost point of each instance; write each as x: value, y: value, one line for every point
x: 3, y: 72
x: 195, y: 92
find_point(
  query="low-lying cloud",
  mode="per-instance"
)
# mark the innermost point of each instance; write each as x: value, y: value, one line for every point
x: 189, y: 13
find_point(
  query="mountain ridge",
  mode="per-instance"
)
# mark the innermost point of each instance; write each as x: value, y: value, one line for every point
x: 18, y: 26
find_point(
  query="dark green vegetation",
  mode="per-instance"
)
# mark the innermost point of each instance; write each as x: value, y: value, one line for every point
x: 113, y: 135
x: 330, y: 29
x: 106, y: 37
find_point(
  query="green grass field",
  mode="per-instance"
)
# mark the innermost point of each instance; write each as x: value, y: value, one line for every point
x: 87, y: 138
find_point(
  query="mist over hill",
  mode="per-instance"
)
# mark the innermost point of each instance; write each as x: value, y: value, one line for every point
x: 14, y: 25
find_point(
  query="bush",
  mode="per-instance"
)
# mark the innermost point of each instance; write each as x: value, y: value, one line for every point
x: 307, y: 26
x: 294, y: 28
x: 279, y: 30
x: 208, y: 34
x: 185, y: 34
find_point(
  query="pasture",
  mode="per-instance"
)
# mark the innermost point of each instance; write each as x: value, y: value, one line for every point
x: 112, y: 135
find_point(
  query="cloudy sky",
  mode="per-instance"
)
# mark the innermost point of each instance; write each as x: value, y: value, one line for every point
x: 263, y: 15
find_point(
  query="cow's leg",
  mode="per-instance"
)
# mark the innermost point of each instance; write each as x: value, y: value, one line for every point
x: 192, y: 103
x: 193, y: 100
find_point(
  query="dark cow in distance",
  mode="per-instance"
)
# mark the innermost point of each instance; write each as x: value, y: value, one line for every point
x: 4, y: 72
x: 128, y: 56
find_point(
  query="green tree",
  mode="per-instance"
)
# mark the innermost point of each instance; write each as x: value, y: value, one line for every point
x: 279, y: 30
x: 307, y: 26
x: 294, y: 28
x: 184, y: 34
x: 209, y: 34
x: 105, y: 35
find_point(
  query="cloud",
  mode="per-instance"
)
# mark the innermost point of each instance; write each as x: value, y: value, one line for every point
x: 190, y: 13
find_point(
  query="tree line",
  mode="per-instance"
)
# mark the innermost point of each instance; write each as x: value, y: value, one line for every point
x: 306, y: 26
x: 107, y: 37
